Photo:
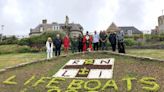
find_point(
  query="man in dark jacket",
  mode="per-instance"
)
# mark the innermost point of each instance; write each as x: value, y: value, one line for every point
x: 57, y: 43
x: 103, y: 39
x: 112, y: 40
x: 74, y: 44
x: 80, y: 44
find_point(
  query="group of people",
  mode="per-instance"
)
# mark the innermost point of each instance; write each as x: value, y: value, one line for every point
x: 85, y: 43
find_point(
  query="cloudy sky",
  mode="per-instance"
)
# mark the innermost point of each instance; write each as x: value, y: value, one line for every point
x: 18, y: 16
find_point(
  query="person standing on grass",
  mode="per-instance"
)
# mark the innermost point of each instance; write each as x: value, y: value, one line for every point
x: 95, y: 41
x: 80, y: 41
x: 112, y: 40
x: 100, y: 43
x: 103, y: 39
x: 49, y: 47
x: 74, y: 44
x: 66, y: 43
x: 120, y: 42
x: 57, y: 43
x: 87, y: 42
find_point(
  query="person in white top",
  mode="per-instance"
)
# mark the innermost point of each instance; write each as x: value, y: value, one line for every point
x: 49, y: 47
x: 95, y: 41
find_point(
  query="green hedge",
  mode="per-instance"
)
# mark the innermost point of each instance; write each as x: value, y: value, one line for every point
x: 151, y: 38
x: 135, y: 37
x: 40, y: 40
x: 130, y: 42
x: 9, y: 40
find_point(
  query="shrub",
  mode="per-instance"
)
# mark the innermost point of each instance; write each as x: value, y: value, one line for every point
x: 24, y: 41
x: 9, y: 40
x: 130, y: 42
x: 161, y: 37
x: 40, y: 40
x: 24, y: 49
x: 135, y: 37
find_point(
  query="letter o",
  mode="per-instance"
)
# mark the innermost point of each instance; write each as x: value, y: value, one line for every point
x: 98, y: 86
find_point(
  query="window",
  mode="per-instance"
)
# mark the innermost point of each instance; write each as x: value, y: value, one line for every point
x: 41, y: 29
x: 56, y: 27
x: 130, y: 33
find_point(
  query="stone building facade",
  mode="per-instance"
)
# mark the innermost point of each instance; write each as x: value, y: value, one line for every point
x: 161, y: 24
x: 72, y: 29
x: 160, y: 28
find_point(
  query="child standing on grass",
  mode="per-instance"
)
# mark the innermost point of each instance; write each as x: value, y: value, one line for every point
x: 49, y: 47
x: 66, y: 43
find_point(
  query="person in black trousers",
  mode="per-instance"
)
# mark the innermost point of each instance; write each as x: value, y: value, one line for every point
x: 112, y: 40
x: 120, y: 41
x: 57, y: 43
x: 100, y: 42
x: 80, y: 43
x: 95, y: 41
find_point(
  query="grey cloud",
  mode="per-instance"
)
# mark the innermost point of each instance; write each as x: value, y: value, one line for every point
x: 33, y: 11
x: 85, y: 12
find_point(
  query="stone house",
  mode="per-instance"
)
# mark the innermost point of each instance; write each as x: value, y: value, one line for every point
x: 72, y: 29
x: 128, y: 30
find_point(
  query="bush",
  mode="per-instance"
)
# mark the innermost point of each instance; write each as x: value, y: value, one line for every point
x: 40, y: 40
x: 135, y: 37
x: 34, y: 50
x: 130, y: 42
x: 24, y: 49
x: 24, y: 41
x: 9, y: 40
x: 161, y: 37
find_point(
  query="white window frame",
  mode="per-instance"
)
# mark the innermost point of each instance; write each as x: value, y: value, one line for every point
x: 130, y: 32
x: 41, y: 29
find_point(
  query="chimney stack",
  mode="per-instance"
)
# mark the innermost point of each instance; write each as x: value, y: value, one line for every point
x: 44, y: 21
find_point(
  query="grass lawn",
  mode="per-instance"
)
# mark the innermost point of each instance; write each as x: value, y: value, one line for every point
x: 17, y: 58
x: 124, y: 67
x: 154, y: 53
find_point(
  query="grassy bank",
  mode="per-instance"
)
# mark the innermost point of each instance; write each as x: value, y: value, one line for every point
x: 7, y: 60
x: 124, y: 67
x: 154, y: 53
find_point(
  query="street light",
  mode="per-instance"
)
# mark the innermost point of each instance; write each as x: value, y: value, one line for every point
x: 2, y: 28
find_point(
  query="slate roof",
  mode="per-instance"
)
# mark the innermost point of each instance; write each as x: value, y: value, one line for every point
x: 134, y: 30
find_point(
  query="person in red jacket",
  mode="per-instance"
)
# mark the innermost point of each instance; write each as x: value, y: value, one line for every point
x: 66, y: 43
x: 87, y: 42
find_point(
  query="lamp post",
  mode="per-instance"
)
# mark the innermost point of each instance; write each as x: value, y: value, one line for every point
x: 2, y: 28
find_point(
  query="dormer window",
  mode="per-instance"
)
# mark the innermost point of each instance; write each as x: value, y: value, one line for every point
x: 41, y: 29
